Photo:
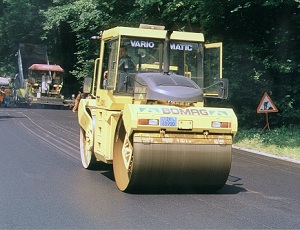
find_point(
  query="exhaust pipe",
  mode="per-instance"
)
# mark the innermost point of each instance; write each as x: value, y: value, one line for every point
x: 167, y: 49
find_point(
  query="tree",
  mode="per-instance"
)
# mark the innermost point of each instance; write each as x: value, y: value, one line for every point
x: 70, y: 26
x: 261, y: 43
x: 20, y: 22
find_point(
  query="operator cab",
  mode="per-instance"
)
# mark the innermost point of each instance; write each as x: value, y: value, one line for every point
x: 135, y: 66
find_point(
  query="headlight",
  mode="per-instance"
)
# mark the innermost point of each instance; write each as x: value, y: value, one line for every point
x: 220, y: 124
x: 148, y: 122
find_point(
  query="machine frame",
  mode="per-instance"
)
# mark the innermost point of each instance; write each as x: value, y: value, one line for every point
x: 112, y: 121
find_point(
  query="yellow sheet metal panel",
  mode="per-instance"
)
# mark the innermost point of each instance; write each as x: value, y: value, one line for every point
x: 84, y: 119
x: 151, y: 33
x: 171, y: 119
x: 105, y: 127
x: 110, y: 101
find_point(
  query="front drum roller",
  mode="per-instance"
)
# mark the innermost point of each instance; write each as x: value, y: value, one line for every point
x: 157, y: 166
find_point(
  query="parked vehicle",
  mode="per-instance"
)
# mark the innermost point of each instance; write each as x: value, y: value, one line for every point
x: 37, y: 80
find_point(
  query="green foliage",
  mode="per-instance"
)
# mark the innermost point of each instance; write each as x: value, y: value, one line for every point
x: 283, y: 141
x: 260, y: 39
x: 81, y: 19
x: 20, y: 22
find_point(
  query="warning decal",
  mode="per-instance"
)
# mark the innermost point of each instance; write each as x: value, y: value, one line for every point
x: 266, y: 105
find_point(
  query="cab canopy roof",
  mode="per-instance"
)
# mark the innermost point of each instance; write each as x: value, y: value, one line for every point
x: 45, y: 67
x: 149, y: 32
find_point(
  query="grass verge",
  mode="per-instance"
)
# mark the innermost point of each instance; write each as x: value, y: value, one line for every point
x: 284, y: 141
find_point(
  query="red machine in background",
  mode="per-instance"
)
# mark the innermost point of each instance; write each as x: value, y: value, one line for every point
x: 44, y: 81
x: 37, y: 80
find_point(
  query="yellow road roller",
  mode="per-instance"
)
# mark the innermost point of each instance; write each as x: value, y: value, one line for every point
x: 145, y: 111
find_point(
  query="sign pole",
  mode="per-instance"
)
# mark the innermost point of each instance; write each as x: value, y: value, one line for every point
x: 267, y: 123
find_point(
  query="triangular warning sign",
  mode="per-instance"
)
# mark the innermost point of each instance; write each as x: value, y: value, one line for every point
x: 266, y: 105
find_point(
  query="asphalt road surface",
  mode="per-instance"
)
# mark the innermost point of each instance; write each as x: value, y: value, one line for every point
x: 43, y: 186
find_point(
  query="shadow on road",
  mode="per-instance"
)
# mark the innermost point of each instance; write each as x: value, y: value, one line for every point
x: 228, y: 189
x: 231, y: 189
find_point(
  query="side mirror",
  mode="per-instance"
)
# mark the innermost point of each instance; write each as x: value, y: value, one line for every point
x: 87, y: 83
x: 223, y: 88
x: 220, y: 89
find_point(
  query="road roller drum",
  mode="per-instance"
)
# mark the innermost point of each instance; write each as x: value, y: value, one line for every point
x: 185, y: 162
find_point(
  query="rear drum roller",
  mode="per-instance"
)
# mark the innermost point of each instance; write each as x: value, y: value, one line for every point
x: 122, y: 159
x: 86, y: 149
